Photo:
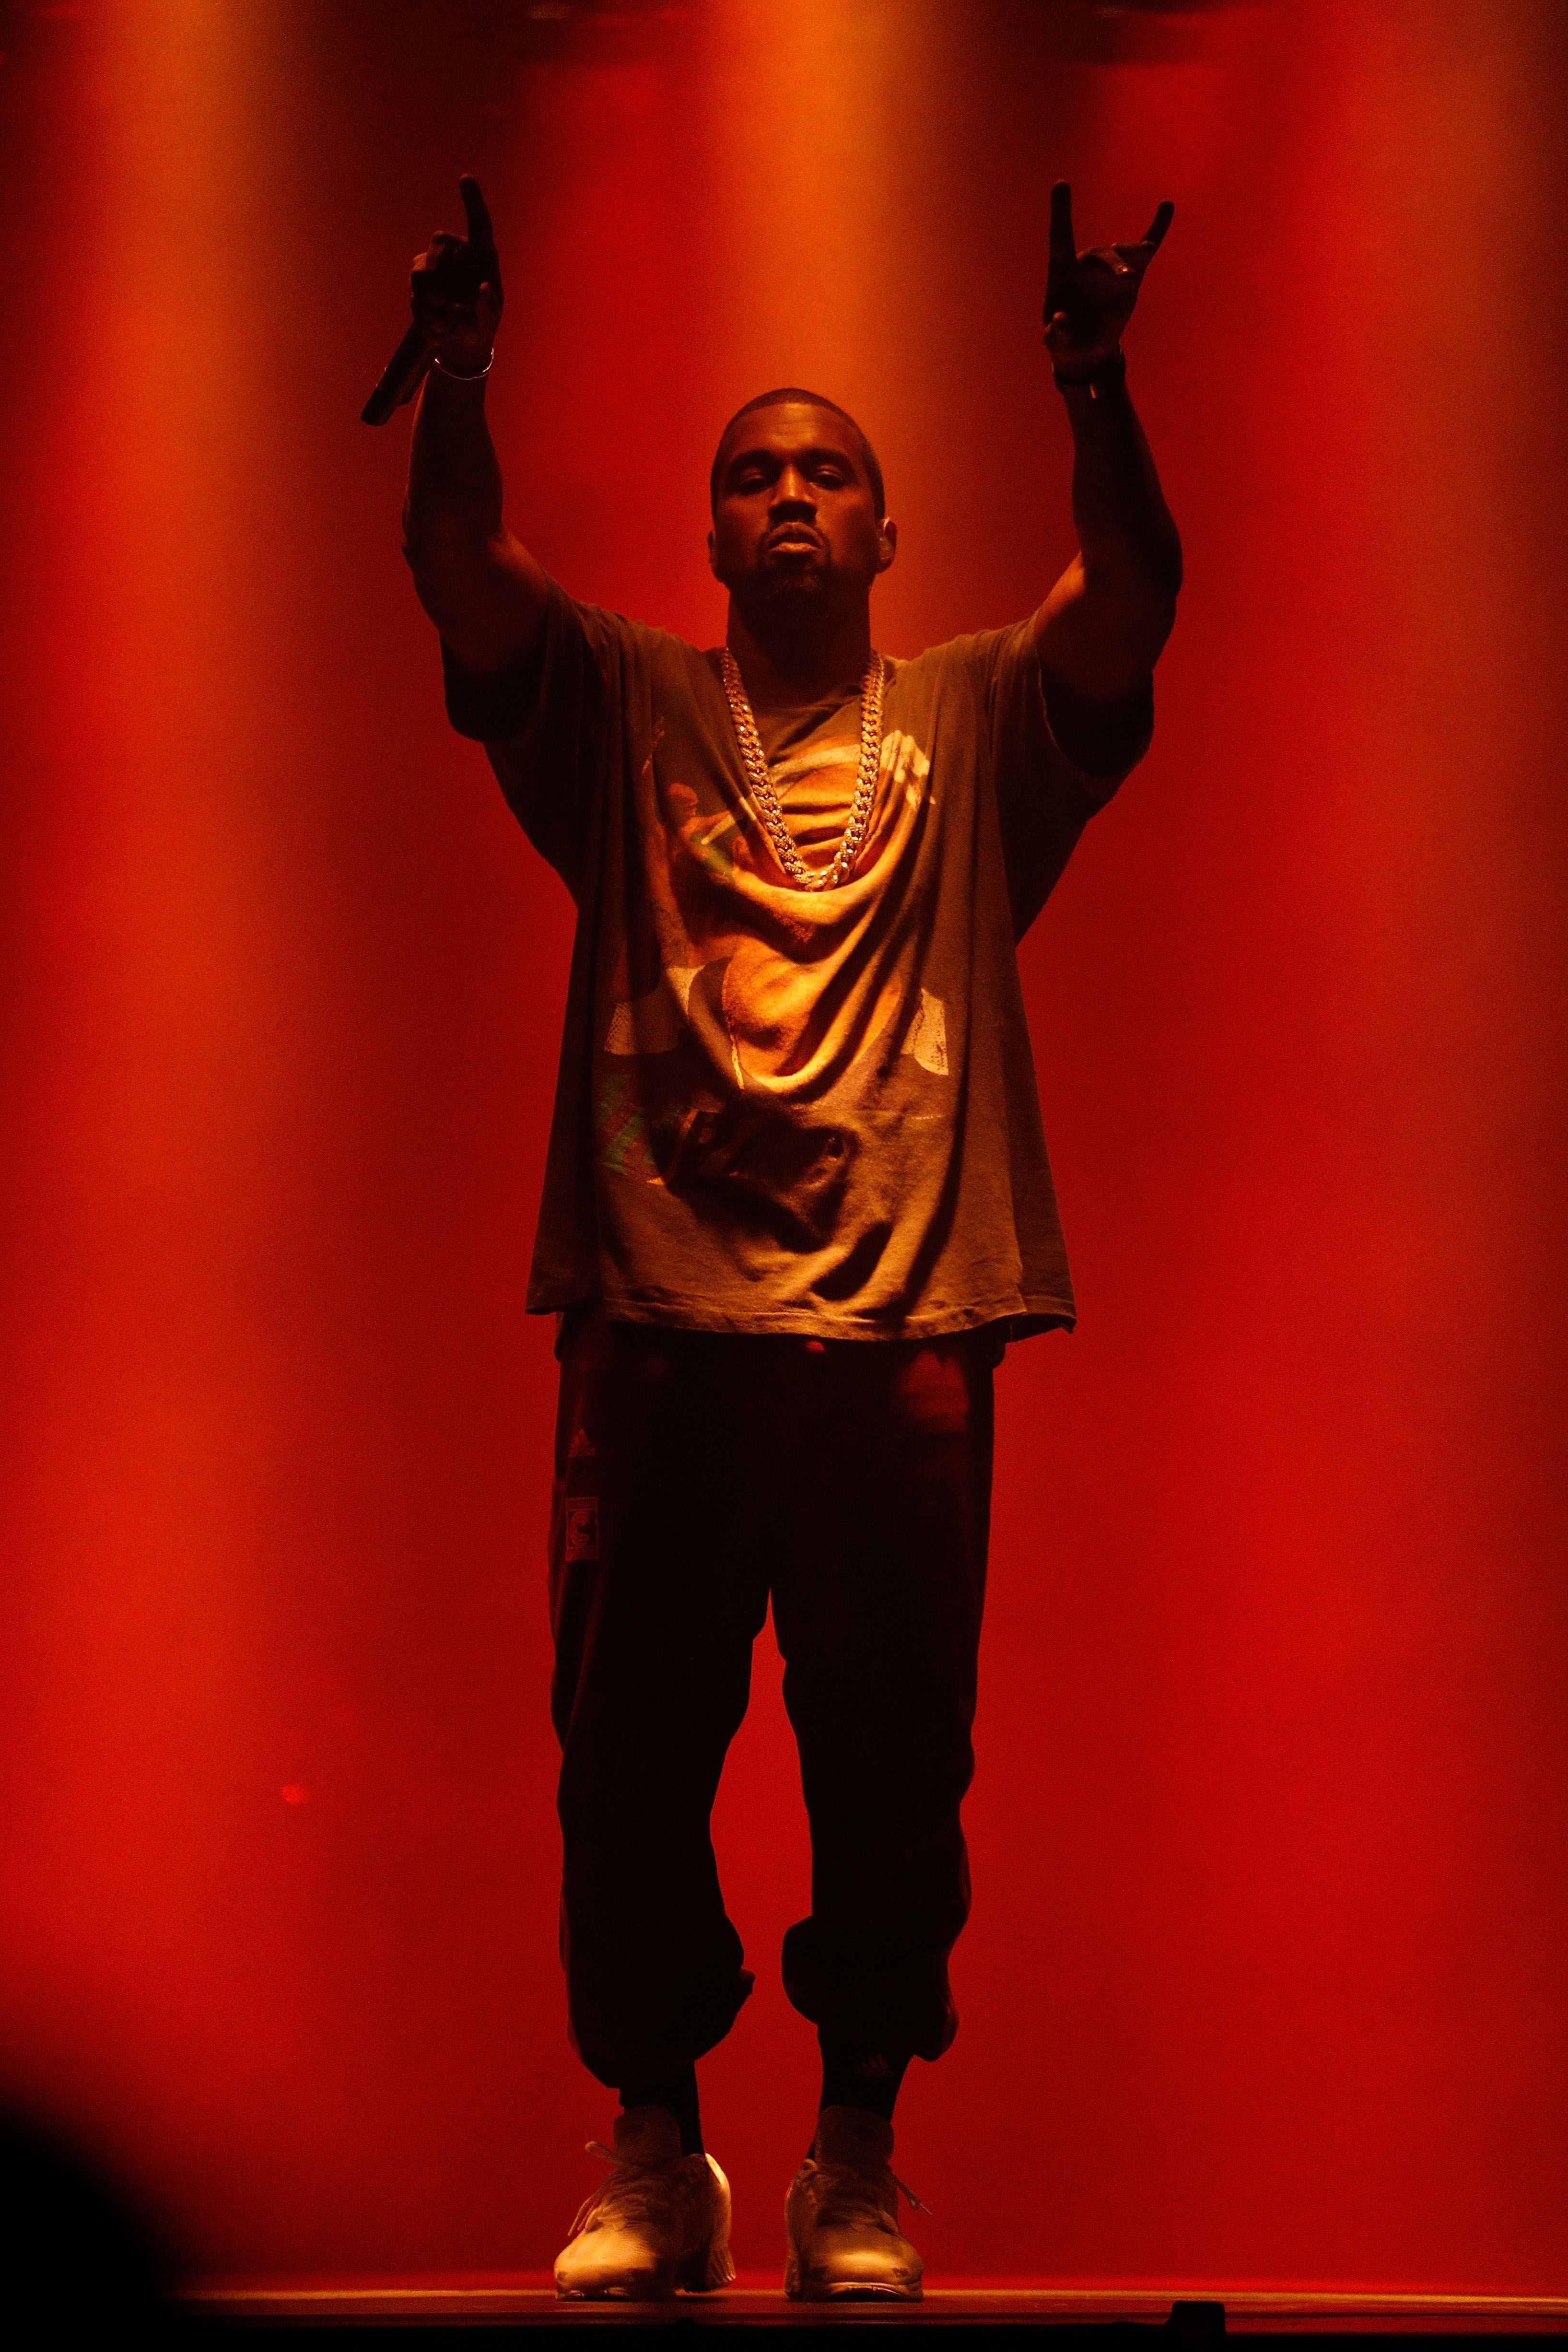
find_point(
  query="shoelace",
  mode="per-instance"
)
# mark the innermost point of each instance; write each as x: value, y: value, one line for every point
x: 853, y: 2193
x: 626, y: 2199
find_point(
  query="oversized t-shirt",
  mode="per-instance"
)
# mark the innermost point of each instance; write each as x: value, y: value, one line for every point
x: 781, y: 1109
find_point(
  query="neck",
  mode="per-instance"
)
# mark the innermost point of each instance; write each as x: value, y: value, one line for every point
x: 785, y: 669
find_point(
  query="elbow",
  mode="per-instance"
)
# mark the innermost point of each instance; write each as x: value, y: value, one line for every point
x: 1164, y: 563
x: 1168, y: 588
x: 1138, y: 602
x: 1154, y: 560
x: 424, y: 550
x: 1162, y: 612
x: 413, y: 535
x: 1155, y: 593
x: 444, y: 541
x: 1142, y: 569
x: 1169, y: 585
x: 416, y: 545
x: 444, y: 564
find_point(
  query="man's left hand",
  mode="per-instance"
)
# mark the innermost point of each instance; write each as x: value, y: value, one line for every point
x: 1090, y: 296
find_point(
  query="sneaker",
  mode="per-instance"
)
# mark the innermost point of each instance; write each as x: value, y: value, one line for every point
x: 841, y: 2216
x: 657, y: 2221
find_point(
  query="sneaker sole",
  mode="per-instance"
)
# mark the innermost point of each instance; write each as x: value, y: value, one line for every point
x: 799, y: 2290
x: 855, y: 2291
x: 652, y: 2293
x: 702, y: 2273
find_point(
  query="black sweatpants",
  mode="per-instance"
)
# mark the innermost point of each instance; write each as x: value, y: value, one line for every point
x: 697, y: 1476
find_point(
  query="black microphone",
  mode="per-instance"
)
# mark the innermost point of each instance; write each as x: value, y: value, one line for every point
x: 401, y: 379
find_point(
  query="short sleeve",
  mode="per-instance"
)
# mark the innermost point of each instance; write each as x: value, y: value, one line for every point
x: 546, y: 723
x: 1044, y: 796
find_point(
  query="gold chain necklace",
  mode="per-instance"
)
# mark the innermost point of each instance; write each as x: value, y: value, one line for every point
x: 754, y: 759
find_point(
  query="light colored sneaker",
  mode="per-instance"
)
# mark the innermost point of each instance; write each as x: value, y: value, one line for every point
x: 658, y: 2220
x: 841, y: 2216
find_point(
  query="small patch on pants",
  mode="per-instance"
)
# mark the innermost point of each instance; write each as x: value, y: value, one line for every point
x: 581, y: 1527
x: 934, y: 1394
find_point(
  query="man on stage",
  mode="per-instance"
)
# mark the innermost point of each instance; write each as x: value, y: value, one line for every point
x: 796, y: 1203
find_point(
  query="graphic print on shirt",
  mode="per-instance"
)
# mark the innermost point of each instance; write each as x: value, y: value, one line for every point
x: 862, y: 1159
x: 755, y: 1025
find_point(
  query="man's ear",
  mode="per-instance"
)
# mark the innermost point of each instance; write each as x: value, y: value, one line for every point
x: 887, y: 542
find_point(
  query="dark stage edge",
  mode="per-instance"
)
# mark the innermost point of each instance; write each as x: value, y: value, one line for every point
x: 1192, y: 2314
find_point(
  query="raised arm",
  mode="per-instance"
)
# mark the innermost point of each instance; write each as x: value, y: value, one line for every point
x: 479, y: 586
x: 1100, y: 629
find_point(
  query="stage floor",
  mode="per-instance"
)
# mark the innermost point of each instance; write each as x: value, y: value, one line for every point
x: 492, y: 2301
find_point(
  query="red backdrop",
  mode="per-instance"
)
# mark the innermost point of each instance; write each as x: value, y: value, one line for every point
x: 1265, y: 1978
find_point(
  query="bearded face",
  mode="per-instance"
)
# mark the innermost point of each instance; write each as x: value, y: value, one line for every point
x: 796, y: 533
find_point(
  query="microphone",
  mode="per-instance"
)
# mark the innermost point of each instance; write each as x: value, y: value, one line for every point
x: 401, y: 377
x: 455, y: 271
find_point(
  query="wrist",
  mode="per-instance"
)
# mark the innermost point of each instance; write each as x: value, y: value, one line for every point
x: 1102, y: 376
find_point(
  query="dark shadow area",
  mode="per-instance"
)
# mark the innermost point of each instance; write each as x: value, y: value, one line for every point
x: 81, y: 2261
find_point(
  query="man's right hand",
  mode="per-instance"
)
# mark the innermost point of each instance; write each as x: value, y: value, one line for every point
x: 457, y: 290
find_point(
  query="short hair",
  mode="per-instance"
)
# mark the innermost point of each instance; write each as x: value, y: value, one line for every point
x: 816, y: 400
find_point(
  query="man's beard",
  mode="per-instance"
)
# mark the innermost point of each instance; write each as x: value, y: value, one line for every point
x: 787, y: 582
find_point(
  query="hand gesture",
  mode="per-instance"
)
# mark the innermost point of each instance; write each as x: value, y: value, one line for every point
x: 456, y: 288
x: 1090, y: 296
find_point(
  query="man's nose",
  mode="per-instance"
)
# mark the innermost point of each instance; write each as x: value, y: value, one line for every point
x: 793, y: 490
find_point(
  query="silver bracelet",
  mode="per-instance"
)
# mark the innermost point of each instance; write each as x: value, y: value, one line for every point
x: 478, y: 377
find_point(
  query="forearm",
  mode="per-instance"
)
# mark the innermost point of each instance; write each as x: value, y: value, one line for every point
x: 1101, y: 628
x: 484, y: 592
x: 1127, y: 538
x: 454, y: 476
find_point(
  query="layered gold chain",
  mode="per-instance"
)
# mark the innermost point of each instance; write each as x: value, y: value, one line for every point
x: 754, y: 759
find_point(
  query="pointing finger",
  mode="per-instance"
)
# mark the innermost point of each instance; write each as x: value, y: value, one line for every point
x: 1160, y: 223
x: 1062, y: 246
x: 480, y: 230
